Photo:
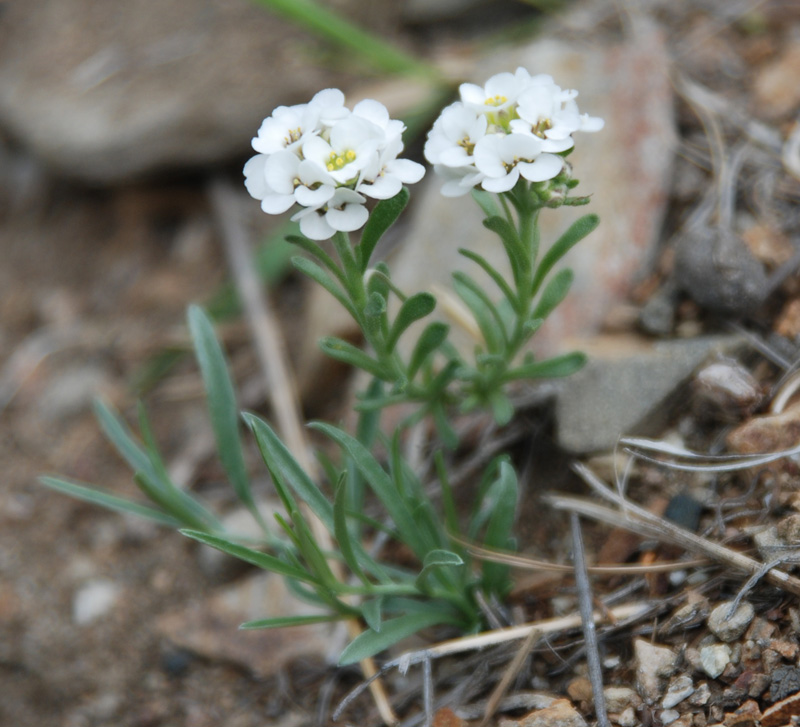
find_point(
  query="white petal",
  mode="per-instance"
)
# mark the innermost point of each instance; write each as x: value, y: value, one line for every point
x: 455, y: 156
x: 406, y: 171
x: 351, y: 217
x: 546, y: 166
x: 557, y: 145
x: 281, y: 170
x: 315, y: 227
x: 276, y: 204
x: 472, y: 94
x: 254, y: 178
x: 591, y: 123
x: 313, y: 198
x: 373, y: 111
x: 384, y: 187
x: 502, y: 184
x: 487, y: 156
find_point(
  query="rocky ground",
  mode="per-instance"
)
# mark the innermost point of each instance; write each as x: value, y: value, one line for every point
x: 109, y: 134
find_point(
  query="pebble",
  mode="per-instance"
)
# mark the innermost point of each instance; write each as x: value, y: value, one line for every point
x: 679, y: 689
x: 560, y: 713
x: 653, y: 665
x: 730, y: 628
x: 701, y: 695
x: 627, y: 718
x: 715, y: 658
x: 668, y: 716
x: 93, y: 600
x: 618, y: 699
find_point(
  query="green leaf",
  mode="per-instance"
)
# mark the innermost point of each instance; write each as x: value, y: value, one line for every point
x: 487, y: 202
x: 437, y: 559
x: 555, y: 291
x: 316, y: 273
x: 564, y: 365
x: 111, y: 502
x: 120, y: 436
x: 501, y: 503
x: 381, y: 483
x: 493, y: 273
x: 372, y: 613
x: 248, y: 555
x: 483, y: 310
x: 283, y: 621
x: 316, y: 250
x: 377, y: 52
x: 430, y: 339
x: 517, y: 257
x: 347, y: 353
x: 576, y: 232
x: 376, y: 304
x: 413, y: 309
x: 222, y: 406
x: 286, y: 470
x: 341, y: 531
x: 371, y: 642
x: 502, y: 408
x: 382, y: 218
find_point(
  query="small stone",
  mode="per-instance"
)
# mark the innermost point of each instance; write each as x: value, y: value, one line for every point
x: 93, y: 600
x: 668, y: 716
x: 560, y: 713
x: 789, y: 529
x: 446, y: 717
x: 618, y: 699
x: 768, y: 433
x: 761, y: 631
x: 782, y: 712
x: 729, y: 627
x: 785, y: 680
x: 627, y: 718
x: 768, y: 543
x: 775, y: 86
x: 653, y: 665
x: 715, y: 658
x: 746, y: 716
x: 679, y: 689
x: 752, y: 683
x: 701, y: 696
x: 770, y: 659
x: 580, y: 690
x: 786, y: 648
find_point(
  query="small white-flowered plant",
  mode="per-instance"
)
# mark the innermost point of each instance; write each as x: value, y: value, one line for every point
x: 515, y: 126
x: 328, y: 160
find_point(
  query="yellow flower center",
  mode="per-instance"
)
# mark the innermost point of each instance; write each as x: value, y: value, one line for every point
x: 543, y: 125
x: 338, y: 161
x: 294, y: 135
x: 496, y: 100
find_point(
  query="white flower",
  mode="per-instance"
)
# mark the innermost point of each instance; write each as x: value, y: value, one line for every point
x: 326, y: 158
x: 344, y: 212
x: 503, y: 159
x: 385, y: 176
x: 511, y: 127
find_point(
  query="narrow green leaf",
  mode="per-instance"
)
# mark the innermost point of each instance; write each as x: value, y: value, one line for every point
x: 448, y: 499
x: 564, y: 365
x: 555, y: 291
x: 372, y: 613
x: 517, y: 257
x: 413, y: 309
x: 281, y: 622
x: 120, y: 436
x: 430, y: 339
x: 437, y: 559
x: 347, y: 353
x: 111, y: 502
x: 312, y: 248
x: 486, y: 202
x: 342, y: 533
x: 248, y: 555
x: 483, y: 310
x: 376, y: 304
x: 371, y: 642
x: 376, y: 51
x: 381, y: 483
x: 502, y: 408
x: 381, y: 219
x: 501, y: 503
x: 312, y: 553
x: 316, y: 273
x: 285, y: 468
x: 493, y: 273
x: 576, y: 232
x: 222, y: 406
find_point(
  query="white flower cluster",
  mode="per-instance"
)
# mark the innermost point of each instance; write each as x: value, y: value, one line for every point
x: 514, y: 126
x: 328, y: 160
